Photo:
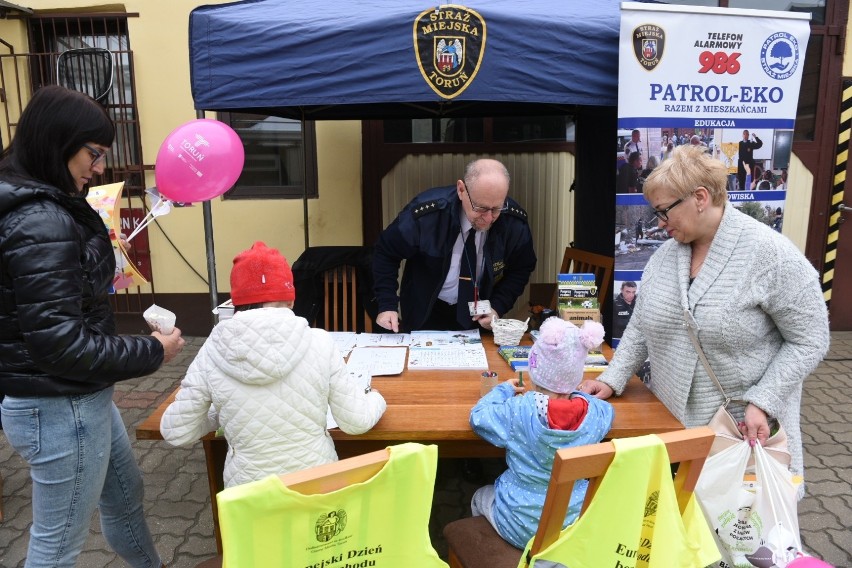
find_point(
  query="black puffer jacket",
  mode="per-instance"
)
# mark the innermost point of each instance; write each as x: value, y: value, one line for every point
x: 57, y: 331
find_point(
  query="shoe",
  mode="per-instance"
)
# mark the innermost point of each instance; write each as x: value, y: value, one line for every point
x: 471, y: 471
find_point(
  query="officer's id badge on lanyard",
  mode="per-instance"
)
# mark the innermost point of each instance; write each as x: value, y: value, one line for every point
x: 477, y: 307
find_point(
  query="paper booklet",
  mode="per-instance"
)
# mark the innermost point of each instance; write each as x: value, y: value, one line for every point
x: 447, y: 350
x: 377, y: 360
x: 470, y: 357
x: 345, y: 341
x: 447, y: 339
x: 382, y: 340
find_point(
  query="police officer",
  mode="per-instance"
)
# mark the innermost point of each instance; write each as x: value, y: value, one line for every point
x: 430, y: 233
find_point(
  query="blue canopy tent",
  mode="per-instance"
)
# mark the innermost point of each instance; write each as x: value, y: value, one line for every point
x: 382, y: 59
x: 341, y: 59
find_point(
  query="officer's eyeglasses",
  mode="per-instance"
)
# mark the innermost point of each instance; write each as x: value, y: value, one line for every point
x: 98, y: 157
x: 481, y: 209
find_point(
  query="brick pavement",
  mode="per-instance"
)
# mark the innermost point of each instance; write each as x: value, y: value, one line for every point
x: 178, y: 504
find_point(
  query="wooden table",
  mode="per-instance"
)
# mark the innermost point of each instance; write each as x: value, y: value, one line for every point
x: 433, y: 407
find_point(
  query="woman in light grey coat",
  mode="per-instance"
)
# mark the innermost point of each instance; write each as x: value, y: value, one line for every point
x: 756, y: 299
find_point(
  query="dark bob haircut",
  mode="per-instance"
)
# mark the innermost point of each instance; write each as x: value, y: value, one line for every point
x: 52, y: 129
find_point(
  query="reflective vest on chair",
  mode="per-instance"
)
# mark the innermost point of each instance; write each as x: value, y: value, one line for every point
x: 383, y: 521
x: 633, y: 519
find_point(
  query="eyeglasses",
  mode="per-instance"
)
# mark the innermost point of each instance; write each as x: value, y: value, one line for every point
x: 663, y: 214
x: 98, y: 157
x: 482, y: 210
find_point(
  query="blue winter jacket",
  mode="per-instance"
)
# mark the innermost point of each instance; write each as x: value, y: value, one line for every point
x: 424, y: 234
x: 512, y: 422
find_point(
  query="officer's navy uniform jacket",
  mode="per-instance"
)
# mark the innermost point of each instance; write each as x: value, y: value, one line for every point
x: 424, y: 233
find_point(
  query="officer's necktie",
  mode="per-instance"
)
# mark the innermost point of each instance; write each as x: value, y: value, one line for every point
x: 467, y: 279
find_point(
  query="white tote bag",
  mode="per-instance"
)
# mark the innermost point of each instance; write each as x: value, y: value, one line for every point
x: 753, y: 517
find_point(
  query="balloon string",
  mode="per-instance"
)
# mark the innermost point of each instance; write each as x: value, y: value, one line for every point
x: 139, y: 227
x: 145, y: 222
x: 152, y: 214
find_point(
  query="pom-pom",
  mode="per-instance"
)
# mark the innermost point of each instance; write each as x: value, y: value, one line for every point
x: 591, y: 335
x: 553, y: 331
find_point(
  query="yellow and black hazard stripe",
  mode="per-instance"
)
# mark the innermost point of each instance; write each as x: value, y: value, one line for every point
x: 841, y: 159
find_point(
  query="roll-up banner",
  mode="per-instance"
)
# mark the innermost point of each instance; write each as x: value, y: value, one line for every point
x: 724, y: 79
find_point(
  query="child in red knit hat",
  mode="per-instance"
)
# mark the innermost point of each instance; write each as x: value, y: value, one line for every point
x: 270, y: 378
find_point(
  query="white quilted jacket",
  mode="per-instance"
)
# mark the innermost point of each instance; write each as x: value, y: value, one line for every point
x: 271, y: 379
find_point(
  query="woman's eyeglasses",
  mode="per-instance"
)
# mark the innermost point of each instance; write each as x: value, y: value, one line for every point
x: 98, y: 157
x: 663, y: 214
x: 481, y: 209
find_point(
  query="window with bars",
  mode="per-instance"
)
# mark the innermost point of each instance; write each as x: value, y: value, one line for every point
x: 51, y: 36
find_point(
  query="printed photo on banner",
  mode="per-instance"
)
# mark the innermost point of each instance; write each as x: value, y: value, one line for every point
x: 638, y: 234
x: 623, y: 300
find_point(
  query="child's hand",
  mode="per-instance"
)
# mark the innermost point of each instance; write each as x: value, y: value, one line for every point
x: 517, y: 386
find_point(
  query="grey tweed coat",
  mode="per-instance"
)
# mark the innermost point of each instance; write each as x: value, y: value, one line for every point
x: 762, y: 319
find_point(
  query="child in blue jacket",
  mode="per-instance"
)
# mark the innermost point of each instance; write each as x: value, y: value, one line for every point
x: 534, y: 425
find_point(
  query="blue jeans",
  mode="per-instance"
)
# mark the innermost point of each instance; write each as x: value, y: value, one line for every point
x: 80, y: 458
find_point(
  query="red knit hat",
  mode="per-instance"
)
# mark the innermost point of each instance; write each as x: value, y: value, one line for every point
x: 261, y: 274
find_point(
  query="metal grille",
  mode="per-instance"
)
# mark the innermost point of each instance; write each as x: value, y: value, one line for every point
x: 22, y: 74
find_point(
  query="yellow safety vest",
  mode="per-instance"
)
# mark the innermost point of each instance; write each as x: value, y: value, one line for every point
x: 383, y: 522
x: 633, y: 520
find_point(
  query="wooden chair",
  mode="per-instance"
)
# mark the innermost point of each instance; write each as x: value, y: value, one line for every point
x: 342, y: 309
x: 334, y: 287
x: 581, y: 261
x: 474, y: 543
x: 325, y: 479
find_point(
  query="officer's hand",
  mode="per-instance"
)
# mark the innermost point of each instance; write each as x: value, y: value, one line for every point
x: 389, y: 320
x: 484, y: 320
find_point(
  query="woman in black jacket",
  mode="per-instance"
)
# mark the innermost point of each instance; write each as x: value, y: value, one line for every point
x: 59, y: 352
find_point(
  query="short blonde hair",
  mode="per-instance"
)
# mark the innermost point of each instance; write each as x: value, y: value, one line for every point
x: 689, y: 167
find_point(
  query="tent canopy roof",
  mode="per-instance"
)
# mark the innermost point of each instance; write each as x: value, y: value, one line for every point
x: 338, y: 59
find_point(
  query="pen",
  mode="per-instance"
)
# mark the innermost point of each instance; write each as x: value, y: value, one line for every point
x: 520, y: 378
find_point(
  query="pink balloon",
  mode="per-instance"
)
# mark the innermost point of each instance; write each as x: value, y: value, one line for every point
x: 808, y: 562
x: 199, y: 160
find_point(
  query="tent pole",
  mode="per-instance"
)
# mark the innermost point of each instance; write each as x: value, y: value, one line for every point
x: 305, y: 184
x: 211, y: 254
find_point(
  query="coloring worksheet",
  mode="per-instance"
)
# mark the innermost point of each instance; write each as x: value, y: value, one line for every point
x: 443, y: 357
x: 345, y: 341
x: 446, y: 339
x: 377, y: 360
x: 382, y: 340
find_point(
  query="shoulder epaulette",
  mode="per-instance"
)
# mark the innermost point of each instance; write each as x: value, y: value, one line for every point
x: 517, y: 211
x: 428, y: 207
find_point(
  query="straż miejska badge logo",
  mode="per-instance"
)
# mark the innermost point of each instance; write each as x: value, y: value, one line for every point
x: 649, y: 41
x: 779, y: 55
x: 449, y: 43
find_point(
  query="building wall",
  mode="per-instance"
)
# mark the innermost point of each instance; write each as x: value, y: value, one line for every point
x: 159, y: 41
